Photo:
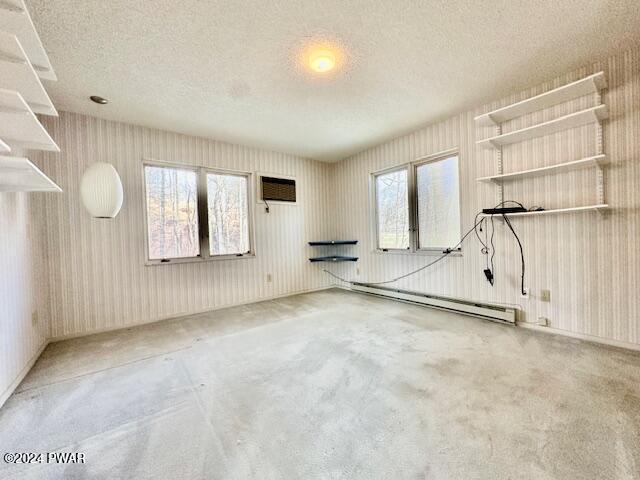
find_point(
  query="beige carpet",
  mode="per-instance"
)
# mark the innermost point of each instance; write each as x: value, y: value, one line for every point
x: 329, y: 385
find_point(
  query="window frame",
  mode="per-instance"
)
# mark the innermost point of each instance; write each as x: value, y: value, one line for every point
x: 412, y: 194
x: 375, y: 176
x: 203, y: 213
x: 419, y: 163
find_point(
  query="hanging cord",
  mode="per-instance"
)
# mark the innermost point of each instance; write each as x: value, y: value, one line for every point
x: 448, y: 251
x: 484, y: 250
x: 266, y: 205
x: 486, y: 242
x: 508, y: 222
x: 493, y: 245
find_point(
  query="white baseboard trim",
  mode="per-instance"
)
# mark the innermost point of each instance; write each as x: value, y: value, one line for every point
x: 23, y: 373
x: 488, y: 311
x: 581, y: 336
x: 184, y: 314
x: 554, y: 331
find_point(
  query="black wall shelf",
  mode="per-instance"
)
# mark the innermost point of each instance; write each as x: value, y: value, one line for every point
x: 333, y: 242
x: 333, y: 258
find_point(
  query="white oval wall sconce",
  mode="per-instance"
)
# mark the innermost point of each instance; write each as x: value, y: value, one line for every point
x: 101, y: 190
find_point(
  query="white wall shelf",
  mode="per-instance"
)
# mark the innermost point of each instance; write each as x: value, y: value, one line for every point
x: 15, y: 19
x: 595, y: 208
x: 585, y: 86
x: 4, y: 148
x: 19, y: 125
x: 17, y: 73
x: 18, y: 174
x: 577, y: 119
x: 590, y: 85
x: 597, y: 160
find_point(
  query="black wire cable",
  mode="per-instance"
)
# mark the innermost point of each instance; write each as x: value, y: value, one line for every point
x: 508, y: 222
x: 448, y: 251
x: 486, y: 242
x: 484, y: 250
x: 493, y: 245
x: 509, y: 201
x: 476, y: 229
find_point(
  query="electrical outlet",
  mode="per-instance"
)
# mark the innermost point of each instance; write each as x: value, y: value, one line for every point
x: 543, y: 321
x: 545, y: 295
x: 268, y: 277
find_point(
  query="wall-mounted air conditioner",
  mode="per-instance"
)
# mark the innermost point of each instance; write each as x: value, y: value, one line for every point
x: 276, y: 189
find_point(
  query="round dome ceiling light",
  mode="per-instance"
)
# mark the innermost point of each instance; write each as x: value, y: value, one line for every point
x: 322, y: 61
x: 99, y: 100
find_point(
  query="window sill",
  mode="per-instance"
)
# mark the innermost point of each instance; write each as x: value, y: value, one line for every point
x: 420, y: 253
x: 220, y: 258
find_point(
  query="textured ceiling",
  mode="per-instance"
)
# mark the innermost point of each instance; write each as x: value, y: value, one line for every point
x: 229, y: 70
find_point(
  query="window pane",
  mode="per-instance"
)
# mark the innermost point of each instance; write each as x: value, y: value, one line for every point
x: 393, y: 210
x: 172, y: 212
x: 228, y: 214
x: 438, y: 203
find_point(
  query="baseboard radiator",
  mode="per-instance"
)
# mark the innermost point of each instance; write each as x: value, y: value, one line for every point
x: 487, y: 311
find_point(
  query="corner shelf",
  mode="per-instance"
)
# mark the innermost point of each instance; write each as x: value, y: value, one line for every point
x: 577, y: 119
x: 19, y: 125
x: 598, y: 208
x: 585, y: 86
x: 333, y: 258
x: 18, y: 174
x: 15, y: 19
x: 16, y: 73
x: 333, y: 242
x: 597, y: 160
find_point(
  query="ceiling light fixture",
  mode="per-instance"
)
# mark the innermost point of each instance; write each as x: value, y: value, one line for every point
x: 322, y: 61
x: 99, y: 100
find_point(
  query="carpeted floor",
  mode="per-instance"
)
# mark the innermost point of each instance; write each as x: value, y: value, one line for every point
x: 328, y: 385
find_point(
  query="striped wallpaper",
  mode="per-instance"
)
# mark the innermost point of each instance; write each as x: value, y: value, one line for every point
x: 590, y: 263
x: 23, y: 291
x: 96, y: 273
x: 96, y: 268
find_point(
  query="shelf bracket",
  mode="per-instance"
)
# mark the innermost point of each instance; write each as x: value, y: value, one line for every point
x: 599, y: 130
x: 40, y: 68
x: 599, y: 151
x: 13, y: 111
x: 500, y: 167
x: 11, y: 59
x: 9, y: 7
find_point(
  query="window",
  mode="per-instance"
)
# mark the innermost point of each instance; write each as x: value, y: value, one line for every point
x: 172, y: 212
x: 438, y: 203
x: 392, y: 205
x: 228, y: 214
x: 418, y: 205
x: 195, y: 213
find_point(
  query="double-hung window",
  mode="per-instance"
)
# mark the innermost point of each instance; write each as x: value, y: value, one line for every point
x: 196, y: 213
x: 417, y: 205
